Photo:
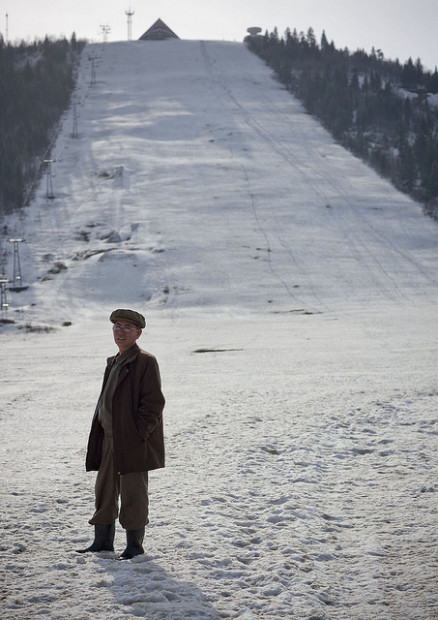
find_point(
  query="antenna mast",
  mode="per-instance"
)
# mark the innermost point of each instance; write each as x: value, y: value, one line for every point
x: 129, y: 13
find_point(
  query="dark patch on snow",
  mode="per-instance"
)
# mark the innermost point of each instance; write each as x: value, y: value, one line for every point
x: 215, y: 350
x: 58, y: 267
x: 270, y: 450
x: 302, y: 311
x: 90, y: 253
x: 36, y: 328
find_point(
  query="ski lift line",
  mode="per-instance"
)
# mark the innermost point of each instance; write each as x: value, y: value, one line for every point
x: 48, y: 150
x: 44, y: 159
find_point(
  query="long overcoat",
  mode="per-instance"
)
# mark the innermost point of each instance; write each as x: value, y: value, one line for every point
x: 137, y: 417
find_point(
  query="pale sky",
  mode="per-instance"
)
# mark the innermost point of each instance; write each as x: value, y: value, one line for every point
x: 400, y: 28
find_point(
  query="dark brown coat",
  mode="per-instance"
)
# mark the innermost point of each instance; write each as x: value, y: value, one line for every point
x: 137, y: 417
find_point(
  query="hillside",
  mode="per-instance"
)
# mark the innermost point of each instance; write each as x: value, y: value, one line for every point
x: 291, y: 299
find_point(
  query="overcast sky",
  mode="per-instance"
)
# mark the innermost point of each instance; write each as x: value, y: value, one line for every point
x: 400, y: 28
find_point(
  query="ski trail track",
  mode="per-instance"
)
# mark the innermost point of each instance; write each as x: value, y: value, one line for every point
x: 343, y: 207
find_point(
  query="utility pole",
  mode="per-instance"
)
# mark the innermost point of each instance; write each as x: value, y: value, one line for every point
x: 129, y: 13
x: 7, y: 28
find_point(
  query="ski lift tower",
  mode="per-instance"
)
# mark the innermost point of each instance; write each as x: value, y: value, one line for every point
x: 17, y: 282
x: 49, y: 181
x: 129, y: 13
x: 3, y: 295
x: 75, y: 132
x: 105, y: 29
x: 92, y: 60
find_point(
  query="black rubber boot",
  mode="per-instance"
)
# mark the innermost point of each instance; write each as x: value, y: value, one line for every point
x: 103, y: 538
x: 134, y: 544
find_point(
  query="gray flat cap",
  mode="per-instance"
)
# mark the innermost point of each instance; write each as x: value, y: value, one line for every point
x: 128, y: 315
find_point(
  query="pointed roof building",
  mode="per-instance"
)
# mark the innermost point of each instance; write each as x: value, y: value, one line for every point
x: 158, y: 32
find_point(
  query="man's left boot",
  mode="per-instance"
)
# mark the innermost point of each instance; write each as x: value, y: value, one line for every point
x: 134, y: 544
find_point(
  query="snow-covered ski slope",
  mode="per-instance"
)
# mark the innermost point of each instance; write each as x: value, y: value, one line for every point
x: 291, y: 298
x: 223, y: 193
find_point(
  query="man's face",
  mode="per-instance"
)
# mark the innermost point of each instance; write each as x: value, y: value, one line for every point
x: 125, y: 334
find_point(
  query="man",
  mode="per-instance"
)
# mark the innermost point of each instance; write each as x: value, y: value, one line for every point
x: 126, y: 439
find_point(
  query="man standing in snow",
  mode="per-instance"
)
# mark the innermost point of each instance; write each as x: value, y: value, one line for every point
x: 126, y: 439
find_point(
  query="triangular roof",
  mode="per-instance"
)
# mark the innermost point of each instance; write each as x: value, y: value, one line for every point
x: 158, y: 32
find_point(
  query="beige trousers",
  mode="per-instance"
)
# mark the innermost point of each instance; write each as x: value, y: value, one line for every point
x: 131, y: 488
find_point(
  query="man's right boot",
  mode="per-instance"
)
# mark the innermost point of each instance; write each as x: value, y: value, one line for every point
x: 134, y: 544
x: 103, y: 538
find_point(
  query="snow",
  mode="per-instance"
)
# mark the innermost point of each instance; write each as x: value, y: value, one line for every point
x: 291, y: 299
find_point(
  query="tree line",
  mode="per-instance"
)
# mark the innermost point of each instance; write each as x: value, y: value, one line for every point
x: 36, y: 82
x: 381, y: 110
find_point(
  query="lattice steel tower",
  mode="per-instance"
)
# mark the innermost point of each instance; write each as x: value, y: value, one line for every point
x: 17, y: 280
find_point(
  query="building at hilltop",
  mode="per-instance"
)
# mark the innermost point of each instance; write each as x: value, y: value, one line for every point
x: 253, y: 34
x: 158, y: 32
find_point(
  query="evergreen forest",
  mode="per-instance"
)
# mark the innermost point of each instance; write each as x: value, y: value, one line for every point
x: 36, y: 83
x: 383, y: 111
